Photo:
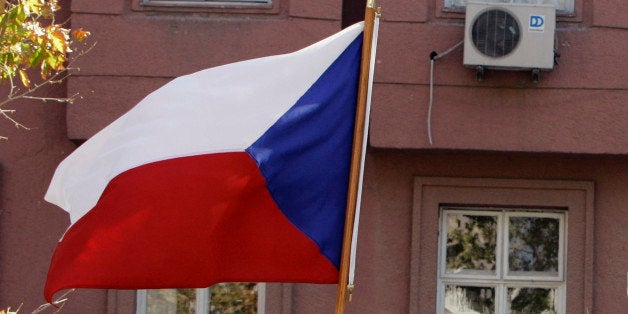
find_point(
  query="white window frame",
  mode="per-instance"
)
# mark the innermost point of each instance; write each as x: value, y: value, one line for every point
x: 501, y: 281
x: 562, y: 241
x: 443, y: 245
x: 453, y: 5
x: 202, y: 300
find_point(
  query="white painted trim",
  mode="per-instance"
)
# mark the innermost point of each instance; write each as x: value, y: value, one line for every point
x: 561, y: 246
x: 202, y: 301
x: 502, y: 281
x: 261, y: 298
x: 443, y: 243
x: 140, y: 304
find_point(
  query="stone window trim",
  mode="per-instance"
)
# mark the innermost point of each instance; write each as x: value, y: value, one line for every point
x: 229, y: 7
x: 430, y: 193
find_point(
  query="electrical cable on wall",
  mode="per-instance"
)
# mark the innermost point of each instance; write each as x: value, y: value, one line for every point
x: 433, y: 57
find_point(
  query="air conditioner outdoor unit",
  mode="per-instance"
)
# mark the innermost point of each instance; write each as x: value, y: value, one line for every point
x: 509, y: 36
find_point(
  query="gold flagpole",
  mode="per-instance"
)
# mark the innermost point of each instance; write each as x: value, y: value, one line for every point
x: 369, y: 19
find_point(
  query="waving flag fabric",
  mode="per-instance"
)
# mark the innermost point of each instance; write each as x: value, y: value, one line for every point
x: 235, y: 173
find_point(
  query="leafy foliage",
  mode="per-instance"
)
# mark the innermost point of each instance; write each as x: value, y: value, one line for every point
x: 8, y: 311
x: 534, y: 243
x: 533, y: 300
x: 58, y: 305
x: 231, y: 297
x: 31, y: 38
x: 234, y: 297
x: 471, y: 243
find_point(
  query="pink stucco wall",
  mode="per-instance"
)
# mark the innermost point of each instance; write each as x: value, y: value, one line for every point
x: 570, y: 127
x: 579, y: 107
x: 576, y: 108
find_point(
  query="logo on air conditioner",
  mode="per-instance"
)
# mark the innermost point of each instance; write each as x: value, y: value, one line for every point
x: 537, y: 23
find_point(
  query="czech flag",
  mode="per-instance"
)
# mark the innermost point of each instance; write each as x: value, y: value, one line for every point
x: 231, y: 174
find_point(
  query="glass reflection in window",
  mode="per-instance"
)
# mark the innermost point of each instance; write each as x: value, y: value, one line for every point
x: 469, y: 299
x: 471, y: 244
x: 533, y: 244
x: 532, y: 300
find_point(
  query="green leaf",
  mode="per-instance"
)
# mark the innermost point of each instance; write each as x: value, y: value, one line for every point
x: 37, y: 57
x: 30, y: 38
x: 24, y: 78
x: 57, y: 38
x: 20, y: 14
x: 34, y: 6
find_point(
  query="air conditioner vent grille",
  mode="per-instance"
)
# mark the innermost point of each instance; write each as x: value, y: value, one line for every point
x: 495, y: 33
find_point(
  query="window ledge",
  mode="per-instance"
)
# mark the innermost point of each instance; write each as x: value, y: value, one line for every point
x: 459, y: 13
x: 243, y: 7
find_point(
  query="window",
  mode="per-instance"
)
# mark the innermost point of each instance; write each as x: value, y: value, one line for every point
x: 498, y: 271
x: 206, y: 3
x: 562, y: 6
x: 219, y: 298
x: 501, y: 261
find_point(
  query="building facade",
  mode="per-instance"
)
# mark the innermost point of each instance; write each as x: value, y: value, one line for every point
x: 479, y: 195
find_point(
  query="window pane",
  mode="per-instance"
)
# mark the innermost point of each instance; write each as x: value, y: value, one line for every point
x: 233, y: 297
x: 532, y: 300
x: 171, y: 301
x: 561, y: 5
x: 468, y: 299
x: 471, y: 243
x: 533, y: 244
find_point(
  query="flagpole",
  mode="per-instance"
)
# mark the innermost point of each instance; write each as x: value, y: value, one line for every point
x: 356, y: 157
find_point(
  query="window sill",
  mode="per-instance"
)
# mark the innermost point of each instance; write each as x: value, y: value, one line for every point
x: 210, y: 7
x: 459, y: 13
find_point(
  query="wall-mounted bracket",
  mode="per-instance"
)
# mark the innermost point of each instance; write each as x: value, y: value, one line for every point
x: 536, y: 75
x: 479, y: 73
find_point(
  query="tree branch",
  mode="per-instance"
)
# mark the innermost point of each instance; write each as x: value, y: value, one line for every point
x: 15, y: 93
